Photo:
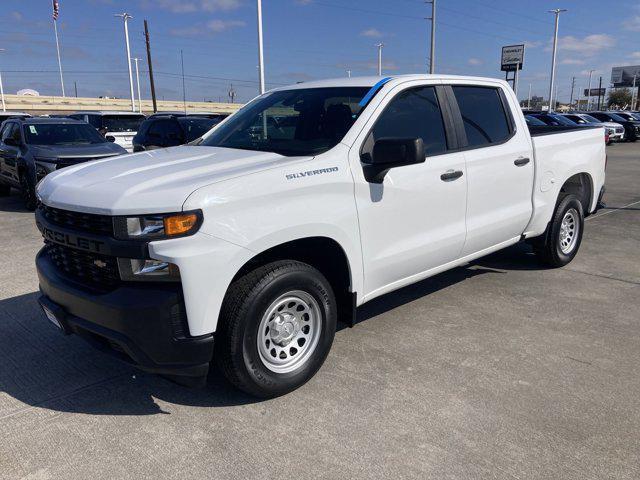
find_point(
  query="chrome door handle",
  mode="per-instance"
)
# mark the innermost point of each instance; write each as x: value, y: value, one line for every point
x: 450, y: 175
x: 521, y: 162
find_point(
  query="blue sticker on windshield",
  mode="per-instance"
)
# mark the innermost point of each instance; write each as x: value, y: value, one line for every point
x: 373, y: 91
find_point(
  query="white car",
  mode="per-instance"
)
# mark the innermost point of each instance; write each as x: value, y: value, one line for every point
x: 122, y: 126
x: 311, y: 200
x: 615, y: 130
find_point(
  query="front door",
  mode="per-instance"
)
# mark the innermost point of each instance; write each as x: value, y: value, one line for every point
x: 415, y: 220
x: 9, y: 153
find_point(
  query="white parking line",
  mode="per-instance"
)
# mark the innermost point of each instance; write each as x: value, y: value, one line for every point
x: 612, y: 211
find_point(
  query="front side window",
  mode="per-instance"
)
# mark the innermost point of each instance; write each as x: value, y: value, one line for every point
x: 292, y: 122
x: 414, y: 113
x: 61, y: 134
x: 485, y: 120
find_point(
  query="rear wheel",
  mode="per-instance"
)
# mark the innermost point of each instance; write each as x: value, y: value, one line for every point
x: 28, y: 191
x: 560, y: 243
x: 277, y: 327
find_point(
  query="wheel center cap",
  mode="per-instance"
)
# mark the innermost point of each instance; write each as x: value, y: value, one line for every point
x: 285, y: 328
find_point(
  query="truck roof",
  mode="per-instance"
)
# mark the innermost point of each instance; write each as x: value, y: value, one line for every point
x: 373, y: 80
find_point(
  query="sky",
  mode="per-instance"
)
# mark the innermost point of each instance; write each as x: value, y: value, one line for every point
x: 305, y: 40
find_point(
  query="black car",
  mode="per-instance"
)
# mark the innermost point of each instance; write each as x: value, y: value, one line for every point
x: 631, y: 127
x: 161, y: 131
x: 555, y: 120
x: 31, y: 148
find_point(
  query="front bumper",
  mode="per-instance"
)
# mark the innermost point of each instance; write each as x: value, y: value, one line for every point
x: 142, y: 324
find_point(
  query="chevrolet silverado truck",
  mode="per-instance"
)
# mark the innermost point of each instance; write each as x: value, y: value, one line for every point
x: 245, y: 248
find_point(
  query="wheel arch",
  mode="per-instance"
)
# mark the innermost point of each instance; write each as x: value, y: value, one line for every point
x: 581, y: 185
x: 323, y: 253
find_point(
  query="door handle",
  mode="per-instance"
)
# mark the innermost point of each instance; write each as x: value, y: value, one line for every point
x: 450, y: 175
x: 521, y: 162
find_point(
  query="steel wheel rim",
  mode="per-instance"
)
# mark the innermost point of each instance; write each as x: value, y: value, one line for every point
x: 569, y: 230
x: 289, y: 331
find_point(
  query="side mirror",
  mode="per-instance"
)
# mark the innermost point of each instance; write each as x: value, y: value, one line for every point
x: 388, y: 153
x: 110, y: 138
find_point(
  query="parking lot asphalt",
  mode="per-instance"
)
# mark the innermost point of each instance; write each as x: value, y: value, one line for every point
x: 502, y: 369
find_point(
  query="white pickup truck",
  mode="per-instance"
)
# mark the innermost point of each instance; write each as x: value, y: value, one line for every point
x: 310, y: 201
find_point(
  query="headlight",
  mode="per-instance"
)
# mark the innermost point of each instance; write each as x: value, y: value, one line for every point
x: 157, y: 227
x: 44, y: 166
x: 141, y: 270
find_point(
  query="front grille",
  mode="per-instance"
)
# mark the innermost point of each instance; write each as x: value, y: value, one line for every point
x: 89, y: 269
x: 83, y: 222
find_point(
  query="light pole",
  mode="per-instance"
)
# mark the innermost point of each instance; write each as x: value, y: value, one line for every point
x: 126, y: 17
x: 260, y: 48
x: 432, y: 54
x: 4, y: 105
x: 529, y: 98
x: 557, y: 12
x: 349, y: 73
x: 589, y: 91
x: 138, y: 82
x: 380, y: 45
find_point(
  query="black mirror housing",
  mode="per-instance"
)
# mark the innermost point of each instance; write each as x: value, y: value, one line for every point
x: 388, y: 153
x: 11, y: 142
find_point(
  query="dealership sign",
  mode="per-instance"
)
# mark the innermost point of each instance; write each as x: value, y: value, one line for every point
x: 512, y: 58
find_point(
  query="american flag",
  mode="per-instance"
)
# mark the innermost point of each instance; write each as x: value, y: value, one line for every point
x: 56, y: 9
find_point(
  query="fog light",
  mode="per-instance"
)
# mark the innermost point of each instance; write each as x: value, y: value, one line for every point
x: 145, y: 270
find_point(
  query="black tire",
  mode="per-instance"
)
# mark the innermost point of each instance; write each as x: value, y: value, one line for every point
x: 5, y: 190
x: 549, y: 247
x: 28, y: 192
x: 244, y: 309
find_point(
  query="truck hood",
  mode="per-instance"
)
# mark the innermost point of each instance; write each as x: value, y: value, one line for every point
x: 157, y: 181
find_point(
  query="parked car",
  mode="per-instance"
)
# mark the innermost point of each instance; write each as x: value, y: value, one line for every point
x: 122, y: 126
x: 31, y: 148
x: 162, y: 131
x: 6, y: 115
x: 531, y: 120
x: 631, y: 116
x: 614, y: 130
x: 631, y: 127
x: 554, y: 119
x: 258, y: 244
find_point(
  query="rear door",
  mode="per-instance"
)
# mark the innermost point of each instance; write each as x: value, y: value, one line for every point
x: 499, y: 164
x: 415, y: 220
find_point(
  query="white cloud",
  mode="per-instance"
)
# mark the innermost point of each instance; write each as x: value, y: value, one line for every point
x: 532, y: 44
x: 16, y: 16
x: 475, y: 61
x: 371, y: 32
x: 588, y: 46
x: 223, y: 25
x: 212, y: 26
x: 303, y: 2
x: 632, y: 23
x: 572, y: 61
x: 191, y: 6
x: 635, y: 55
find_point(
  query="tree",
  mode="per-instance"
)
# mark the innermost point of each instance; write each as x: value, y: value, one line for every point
x: 620, y: 97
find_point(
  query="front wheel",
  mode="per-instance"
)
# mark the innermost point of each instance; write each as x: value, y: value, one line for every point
x: 28, y: 191
x: 276, y: 328
x: 560, y: 243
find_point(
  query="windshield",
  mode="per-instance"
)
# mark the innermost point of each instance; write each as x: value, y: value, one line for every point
x: 196, y: 127
x: 616, y: 118
x: 589, y: 118
x: 534, y: 121
x: 626, y: 116
x: 292, y: 122
x: 62, y: 134
x: 122, y: 123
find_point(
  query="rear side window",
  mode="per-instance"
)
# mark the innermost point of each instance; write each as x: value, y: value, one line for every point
x: 414, y: 113
x: 485, y: 120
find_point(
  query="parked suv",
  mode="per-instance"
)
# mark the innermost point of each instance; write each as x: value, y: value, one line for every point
x: 31, y: 148
x: 122, y: 126
x: 614, y: 130
x: 631, y: 127
x: 161, y: 131
x: 7, y: 115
